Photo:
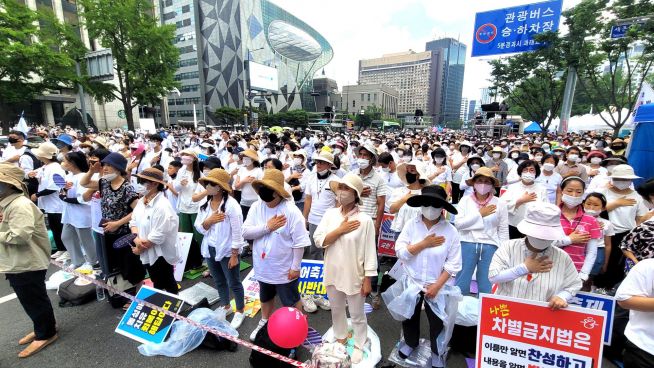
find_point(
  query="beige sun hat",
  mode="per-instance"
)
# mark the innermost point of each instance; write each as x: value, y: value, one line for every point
x: 219, y: 177
x: 420, y: 168
x: 12, y: 175
x: 324, y: 156
x: 498, y: 149
x: 623, y: 172
x: 483, y: 171
x: 251, y: 154
x: 46, y: 150
x: 273, y: 179
x: 152, y: 174
x: 352, y: 181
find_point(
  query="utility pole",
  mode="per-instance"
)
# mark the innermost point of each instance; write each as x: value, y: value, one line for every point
x: 568, y: 97
x: 82, y: 102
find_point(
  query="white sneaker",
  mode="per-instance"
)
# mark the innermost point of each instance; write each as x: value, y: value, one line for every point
x: 228, y: 310
x: 308, y: 304
x: 321, y: 302
x: 254, y: 333
x: 237, y: 320
x: 56, y: 254
x: 63, y: 257
x: 86, y: 268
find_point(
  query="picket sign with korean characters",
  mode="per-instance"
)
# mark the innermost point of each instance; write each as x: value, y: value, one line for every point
x: 522, y: 333
x: 144, y: 324
x: 598, y: 302
x: 387, y: 237
x: 311, y: 278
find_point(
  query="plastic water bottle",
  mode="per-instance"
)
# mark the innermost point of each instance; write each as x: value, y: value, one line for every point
x: 99, y: 290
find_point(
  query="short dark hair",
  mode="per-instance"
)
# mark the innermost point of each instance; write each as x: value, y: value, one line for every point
x: 385, y: 158
x: 527, y: 163
x: 100, y: 153
x: 549, y: 155
x: 276, y: 163
x: 79, y: 160
x: 573, y: 148
x: 597, y: 195
x: 18, y: 133
x: 155, y: 137
x: 646, y: 189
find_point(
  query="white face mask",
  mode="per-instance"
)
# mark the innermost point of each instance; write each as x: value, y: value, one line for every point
x: 297, y: 161
x: 431, y: 213
x: 363, y: 163
x: 345, y: 197
x: 548, y: 166
x: 439, y: 160
x: 212, y: 189
x: 109, y: 177
x: 546, y: 147
x: 593, y: 213
x: 324, y: 172
x: 475, y: 167
x: 267, y: 151
x: 514, y: 155
x: 570, y: 201
x: 528, y: 177
x: 386, y: 169
x: 540, y: 244
x: 595, y: 160
x: 538, y: 158
x: 497, y: 155
x: 247, y: 161
x: 621, y: 184
x: 60, y: 157
x: 573, y: 158
x: 337, y: 151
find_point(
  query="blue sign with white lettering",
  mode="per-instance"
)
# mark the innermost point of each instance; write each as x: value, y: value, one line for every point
x: 511, y: 30
x: 621, y: 30
x: 598, y: 302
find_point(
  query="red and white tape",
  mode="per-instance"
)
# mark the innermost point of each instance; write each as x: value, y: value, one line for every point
x: 179, y: 317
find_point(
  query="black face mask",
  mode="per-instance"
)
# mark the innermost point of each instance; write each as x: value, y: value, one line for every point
x: 230, y: 149
x: 411, y: 178
x: 266, y: 194
x: 12, y: 140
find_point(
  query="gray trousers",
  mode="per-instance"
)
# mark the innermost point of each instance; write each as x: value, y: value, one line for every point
x: 312, y: 252
x: 79, y: 242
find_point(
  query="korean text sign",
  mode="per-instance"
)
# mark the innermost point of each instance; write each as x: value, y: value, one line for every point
x: 146, y: 325
x: 523, y: 333
x: 311, y: 278
x: 387, y: 237
x: 599, y: 302
x: 511, y: 30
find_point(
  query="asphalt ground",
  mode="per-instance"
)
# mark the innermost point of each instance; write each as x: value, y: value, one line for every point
x: 87, y: 338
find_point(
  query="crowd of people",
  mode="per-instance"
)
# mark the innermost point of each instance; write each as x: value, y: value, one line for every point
x: 539, y: 218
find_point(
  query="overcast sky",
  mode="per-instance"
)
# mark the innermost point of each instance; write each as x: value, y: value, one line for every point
x: 363, y: 29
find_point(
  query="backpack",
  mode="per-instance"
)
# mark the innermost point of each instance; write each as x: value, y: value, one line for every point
x: 32, y: 183
x: 260, y: 360
x: 120, y: 284
x: 73, y: 292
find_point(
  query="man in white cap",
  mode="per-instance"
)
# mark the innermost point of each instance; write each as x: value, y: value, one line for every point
x: 531, y: 268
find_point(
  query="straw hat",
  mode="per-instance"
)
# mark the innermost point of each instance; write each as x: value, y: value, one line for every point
x: 483, y: 171
x: 370, y: 148
x: 189, y: 152
x: 46, y: 150
x: 273, y: 179
x: 624, y: 172
x: 542, y: 221
x: 302, y: 153
x: 498, y: 149
x: 152, y: 174
x: 254, y: 143
x: 100, y: 140
x: 352, y: 181
x: 219, y: 177
x: 251, y: 154
x: 324, y: 156
x: 420, y: 168
x: 12, y: 175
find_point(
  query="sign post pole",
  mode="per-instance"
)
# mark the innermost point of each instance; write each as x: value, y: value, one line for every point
x: 568, y: 97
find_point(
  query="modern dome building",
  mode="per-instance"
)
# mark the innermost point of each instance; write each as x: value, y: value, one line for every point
x: 227, y: 35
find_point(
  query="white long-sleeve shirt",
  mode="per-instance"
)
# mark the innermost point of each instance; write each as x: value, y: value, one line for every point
x: 225, y: 235
x: 157, y: 222
x: 514, y: 192
x: 492, y: 229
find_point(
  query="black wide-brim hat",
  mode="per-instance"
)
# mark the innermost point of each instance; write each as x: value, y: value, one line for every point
x: 434, y: 196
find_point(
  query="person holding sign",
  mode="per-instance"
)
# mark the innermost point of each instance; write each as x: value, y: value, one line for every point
x: 220, y: 221
x: 278, y: 231
x: 348, y: 237
x: 430, y: 251
x: 531, y: 268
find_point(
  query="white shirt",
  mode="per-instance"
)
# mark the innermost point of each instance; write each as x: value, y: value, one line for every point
x: 77, y: 215
x: 444, y: 176
x: 225, y: 235
x: 551, y: 184
x: 11, y: 151
x: 322, y: 197
x: 624, y: 218
x: 639, y: 282
x: 248, y: 195
x: 272, y: 252
x: 157, y: 222
x: 50, y: 203
x: 515, y: 191
x: 406, y: 213
x: 492, y: 229
x: 607, y: 230
x: 426, y: 267
x: 185, y: 202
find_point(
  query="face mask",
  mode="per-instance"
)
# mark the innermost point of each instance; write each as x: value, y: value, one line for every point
x: 109, y: 177
x: 540, y: 244
x: 247, y: 161
x: 297, y: 161
x: 475, y: 167
x: 386, y: 169
x: 212, y: 189
x: 406, y: 159
x: 593, y: 213
x: 120, y: 147
x: 595, y: 160
x: 570, y: 201
x: 483, y: 188
x: 538, y: 158
x: 480, y: 152
x: 573, y: 157
x: 621, y: 184
x: 141, y: 189
x: 230, y: 149
x: 548, y: 166
x: 431, y: 213
x: 557, y: 153
x: 151, y: 145
x: 267, y: 151
x: 323, y: 173
x: 266, y: 194
x: 186, y: 160
x: 60, y: 157
x: 528, y: 177
x: 12, y: 140
x: 338, y: 151
x: 400, y: 153
x: 609, y: 168
x: 497, y: 156
x: 546, y: 147
x: 363, y: 163
x: 514, y: 155
x: 411, y: 178
x: 439, y: 160
x: 345, y: 197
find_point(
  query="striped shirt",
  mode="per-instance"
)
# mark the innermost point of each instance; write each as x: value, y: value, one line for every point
x: 562, y: 280
x: 584, y: 224
x: 377, y: 187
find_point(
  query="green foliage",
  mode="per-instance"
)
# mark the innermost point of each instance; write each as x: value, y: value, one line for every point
x: 38, y: 53
x: 229, y: 115
x: 144, y: 54
x: 292, y: 118
x: 372, y: 112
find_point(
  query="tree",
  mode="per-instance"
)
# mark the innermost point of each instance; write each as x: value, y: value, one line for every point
x: 38, y: 53
x: 229, y: 115
x: 533, y: 81
x: 145, y: 57
x: 610, y: 73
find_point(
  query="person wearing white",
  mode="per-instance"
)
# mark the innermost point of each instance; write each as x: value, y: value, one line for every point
x: 438, y: 172
x: 278, y: 231
x: 220, y: 221
x: 430, y: 251
x: 249, y: 172
x: 483, y: 224
x: 414, y: 177
x: 549, y: 178
x: 186, y: 184
x: 154, y: 222
x: 458, y: 161
x: 348, y: 237
x: 520, y: 195
x: 531, y: 268
x: 636, y: 293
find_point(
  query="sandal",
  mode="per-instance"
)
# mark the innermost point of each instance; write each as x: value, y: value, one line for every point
x: 27, y: 339
x: 36, y: 346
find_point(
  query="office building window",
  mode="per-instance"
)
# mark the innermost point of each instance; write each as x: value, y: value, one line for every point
x: 354, y: 103
x: 362, y: 97
x: 368, y: 97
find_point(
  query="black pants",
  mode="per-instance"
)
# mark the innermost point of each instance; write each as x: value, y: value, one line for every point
x: 514, y: 233
x: 411, y: 327
x: 54, y: 221
x: 456, y: 193
x: 615, y: 266
x: 635, y: 357
x: 32, y: 295
x: 162, y: 275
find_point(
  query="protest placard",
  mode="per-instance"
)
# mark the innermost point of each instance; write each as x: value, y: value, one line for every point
x: 252, y: 301
x: 387, y: 237
x: 599, y: 302
x: 311, y: 278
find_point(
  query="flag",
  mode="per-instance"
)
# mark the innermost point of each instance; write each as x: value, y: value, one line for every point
x: 645, y: 96
x: 22, y: 124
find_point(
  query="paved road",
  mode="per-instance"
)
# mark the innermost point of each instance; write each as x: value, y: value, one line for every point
x: 87, y: 339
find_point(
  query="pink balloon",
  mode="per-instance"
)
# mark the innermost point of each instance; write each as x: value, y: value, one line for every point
x: 288, y: 327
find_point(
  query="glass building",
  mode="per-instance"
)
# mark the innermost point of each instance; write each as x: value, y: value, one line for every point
x: 454, y: 59
x: 218, y: 38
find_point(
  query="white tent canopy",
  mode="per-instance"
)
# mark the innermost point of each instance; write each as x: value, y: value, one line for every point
x: 589, y: 121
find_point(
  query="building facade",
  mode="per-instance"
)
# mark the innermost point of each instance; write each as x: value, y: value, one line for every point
x: 454, y: 58
x: 360, y: 97
x: 217, y: 40
x: 325, y: 94
x: 417, y: 77
x: 463, y: 113
x: 472, y: 106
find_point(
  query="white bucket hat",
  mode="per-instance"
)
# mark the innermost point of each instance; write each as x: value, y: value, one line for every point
x: 542, y: 221
x: 420, y: 168
x: 624, y: 172
x: 352, y: 181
